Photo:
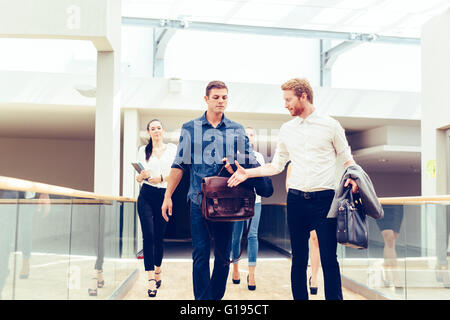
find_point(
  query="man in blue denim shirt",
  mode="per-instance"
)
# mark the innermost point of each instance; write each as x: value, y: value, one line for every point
x: 204, y: 143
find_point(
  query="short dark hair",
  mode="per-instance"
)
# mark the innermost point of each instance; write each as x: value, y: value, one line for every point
x: 215, y: 85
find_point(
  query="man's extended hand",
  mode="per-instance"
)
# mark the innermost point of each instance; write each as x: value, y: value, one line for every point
x: 353, y: 183
x: 166, y: 206
x: 238, y: 177
x: 228, y: 165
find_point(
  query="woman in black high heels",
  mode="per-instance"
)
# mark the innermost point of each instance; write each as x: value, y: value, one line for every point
x: 156, y: 158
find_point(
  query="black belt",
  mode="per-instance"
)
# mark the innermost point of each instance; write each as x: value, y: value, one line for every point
x: 312, y: 195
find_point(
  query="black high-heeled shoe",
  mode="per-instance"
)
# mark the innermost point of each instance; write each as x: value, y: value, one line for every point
x: 250, y: 287
x: 158, y: 282
x: 152, y: 293
x: 312, y: 290
x: 236, y: 281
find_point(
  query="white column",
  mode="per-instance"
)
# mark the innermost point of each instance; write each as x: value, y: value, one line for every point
x: 107, y: 125
x: 107, y: 114
x: 130, y: 187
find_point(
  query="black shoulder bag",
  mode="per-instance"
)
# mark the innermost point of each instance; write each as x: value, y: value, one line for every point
x: 352, y: 229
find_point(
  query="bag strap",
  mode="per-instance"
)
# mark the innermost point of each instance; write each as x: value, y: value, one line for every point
x: 201, y: 191
x: 243, y: 242
x: 220, y: 171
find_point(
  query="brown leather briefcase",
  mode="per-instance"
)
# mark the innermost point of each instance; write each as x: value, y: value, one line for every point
x: 222, y: 203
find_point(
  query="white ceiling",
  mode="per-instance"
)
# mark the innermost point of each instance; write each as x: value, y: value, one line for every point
x: 403, y: 18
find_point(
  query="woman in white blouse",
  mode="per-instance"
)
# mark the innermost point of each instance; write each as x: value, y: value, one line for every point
x: 156, y: 158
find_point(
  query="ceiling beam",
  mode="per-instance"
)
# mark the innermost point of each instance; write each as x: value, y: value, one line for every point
x: 328, y: 56
x: 161, y: 38
x: 273, y: 31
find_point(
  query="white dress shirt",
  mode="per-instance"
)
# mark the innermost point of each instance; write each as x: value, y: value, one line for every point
x: 158, y: 167
x: 313, y: 145
x: 260, y: 159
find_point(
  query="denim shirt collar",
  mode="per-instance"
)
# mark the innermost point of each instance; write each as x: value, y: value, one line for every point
x: 205, y: 121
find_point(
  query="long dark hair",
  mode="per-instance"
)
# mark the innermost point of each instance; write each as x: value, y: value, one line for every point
x: 149, y: 147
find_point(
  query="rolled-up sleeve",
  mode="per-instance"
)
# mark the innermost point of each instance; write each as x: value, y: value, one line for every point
x: 281, y: 156
x: 343, y: 150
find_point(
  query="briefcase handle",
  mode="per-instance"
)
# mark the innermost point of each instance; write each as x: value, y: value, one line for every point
x: 220, y: 171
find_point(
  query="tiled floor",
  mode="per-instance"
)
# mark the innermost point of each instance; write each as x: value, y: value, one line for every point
x: 420, y: 282
x: 272, y: 278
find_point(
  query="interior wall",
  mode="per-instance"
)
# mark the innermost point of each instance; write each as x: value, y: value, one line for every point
x: 66, y: 163
x: 396, y: 184
x: 435, y: 102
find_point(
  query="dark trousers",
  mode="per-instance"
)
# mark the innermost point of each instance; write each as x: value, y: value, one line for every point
x: 153, y: 224
x: 306, y: 212
x: 206, y: 286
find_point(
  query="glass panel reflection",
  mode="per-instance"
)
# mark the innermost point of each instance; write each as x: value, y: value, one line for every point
x: 427, y: 274
x: 87, y: 249
x: 43, y: 247
x: 128, y: 231
x: 94, y: 248
x: 8, y: 214
x: 57, y: 247
x: 407, y: 257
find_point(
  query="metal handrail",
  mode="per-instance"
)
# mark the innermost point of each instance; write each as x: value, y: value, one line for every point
x: 13, y: 184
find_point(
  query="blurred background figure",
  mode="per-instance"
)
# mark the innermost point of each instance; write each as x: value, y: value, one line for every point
x: 389, y: 226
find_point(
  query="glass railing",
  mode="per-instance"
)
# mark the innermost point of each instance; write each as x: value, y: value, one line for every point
x: 59, y: 244
x: 408, y: 254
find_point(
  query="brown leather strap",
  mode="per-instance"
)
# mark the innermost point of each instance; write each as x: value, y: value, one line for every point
x: 220, y: 171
